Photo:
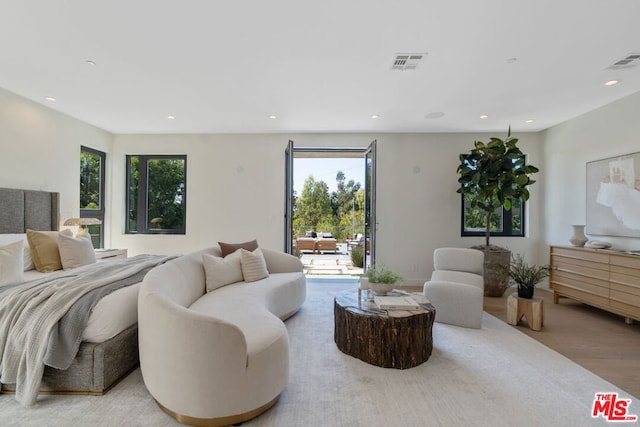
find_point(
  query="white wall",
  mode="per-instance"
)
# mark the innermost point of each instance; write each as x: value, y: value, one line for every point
x: 235, y: 192
x: 40, y: 149
x: 608, y: 131
x: 236, y: 183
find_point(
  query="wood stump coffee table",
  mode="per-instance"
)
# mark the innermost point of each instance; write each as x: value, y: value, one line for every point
x: 387, y: 338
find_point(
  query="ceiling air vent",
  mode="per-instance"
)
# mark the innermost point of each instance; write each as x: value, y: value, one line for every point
x: 406, y: 61
x: 629, y: 61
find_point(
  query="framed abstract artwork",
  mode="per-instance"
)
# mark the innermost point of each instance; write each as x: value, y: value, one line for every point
x: 613, y: 196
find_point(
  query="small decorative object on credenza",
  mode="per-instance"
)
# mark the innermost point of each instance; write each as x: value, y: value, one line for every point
x: 597, y: 244
x: 578, y: 238
x: 525, y: 276
x: 381, y: 279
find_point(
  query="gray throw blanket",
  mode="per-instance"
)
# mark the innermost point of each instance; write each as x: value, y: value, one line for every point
x: 44, y: 319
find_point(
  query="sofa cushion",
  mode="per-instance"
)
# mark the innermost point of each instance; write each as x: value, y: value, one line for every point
x: 228, y: 248
x: 222, y: 271
x: 253, y: 264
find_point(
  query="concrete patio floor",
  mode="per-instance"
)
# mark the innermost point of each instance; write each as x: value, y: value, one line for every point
x: 329, y: 264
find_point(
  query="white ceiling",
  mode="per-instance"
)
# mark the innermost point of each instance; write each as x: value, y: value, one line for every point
x: 322, y: 66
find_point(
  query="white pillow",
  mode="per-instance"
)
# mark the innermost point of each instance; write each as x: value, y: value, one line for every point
x: 75, y: 251
x: 220, y: 272
x: 254, y: 267
x: 10, y: 238
x: 12, y: 263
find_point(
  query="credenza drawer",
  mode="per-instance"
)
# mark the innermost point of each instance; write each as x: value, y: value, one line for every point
x: 580, y: 255
x: 605, y: 279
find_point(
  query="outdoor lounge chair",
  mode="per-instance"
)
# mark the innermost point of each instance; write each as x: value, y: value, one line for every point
x: 306, y: 244
x: 326, y: 245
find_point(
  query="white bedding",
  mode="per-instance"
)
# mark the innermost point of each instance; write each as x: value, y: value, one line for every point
x: 111, y: 315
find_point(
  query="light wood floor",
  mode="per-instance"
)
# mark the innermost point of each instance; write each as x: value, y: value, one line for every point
x: 595, y: 339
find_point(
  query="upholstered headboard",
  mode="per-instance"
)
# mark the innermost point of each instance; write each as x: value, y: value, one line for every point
x: 23, y: 209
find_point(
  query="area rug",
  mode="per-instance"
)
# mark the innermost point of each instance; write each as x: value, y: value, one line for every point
x: 495, y: 376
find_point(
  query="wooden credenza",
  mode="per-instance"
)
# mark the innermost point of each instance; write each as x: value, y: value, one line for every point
x: 602, y: 278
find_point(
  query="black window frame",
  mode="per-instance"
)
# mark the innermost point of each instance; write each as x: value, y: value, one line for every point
x: 100, y: 212
x: 507, y: 223
x: 141, y: 226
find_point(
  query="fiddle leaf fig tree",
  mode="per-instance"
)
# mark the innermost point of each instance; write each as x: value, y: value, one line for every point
x: 494, y: 175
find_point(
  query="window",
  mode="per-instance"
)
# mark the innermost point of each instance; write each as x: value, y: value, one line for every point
x: 156, y: 194
x: 503, y: 222
x: 92, y: 167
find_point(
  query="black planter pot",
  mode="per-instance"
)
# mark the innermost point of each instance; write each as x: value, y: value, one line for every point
x: 525, y: 291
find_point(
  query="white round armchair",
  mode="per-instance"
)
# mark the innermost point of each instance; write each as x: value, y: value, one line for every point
x: 456, y: 288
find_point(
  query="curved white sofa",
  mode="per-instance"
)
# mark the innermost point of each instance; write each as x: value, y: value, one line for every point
x: 220, y: 357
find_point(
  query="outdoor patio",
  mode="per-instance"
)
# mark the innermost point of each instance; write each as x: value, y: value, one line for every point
x: 329, y: 264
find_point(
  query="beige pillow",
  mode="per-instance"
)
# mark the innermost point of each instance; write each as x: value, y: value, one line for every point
x: 12, y: 263
x: 220, y: 272
x: 44, y: 249
x: 228, y: 248
x: 75, y: 251
x: 254, y: 267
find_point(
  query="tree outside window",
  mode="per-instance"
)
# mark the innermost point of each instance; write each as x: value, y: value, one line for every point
x: 503, y: 222
x: 92, y: 177
x: 156, y: 194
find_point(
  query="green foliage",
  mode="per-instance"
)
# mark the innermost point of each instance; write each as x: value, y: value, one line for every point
x: 313, y: 205
x: 89, y: 181
x: 296, y: 252
x: 165, y: 192
x: 339, y: 213
x: 525, y: 275
x: 493, y: 176
x: 357, y: 256
x: 381, y: 274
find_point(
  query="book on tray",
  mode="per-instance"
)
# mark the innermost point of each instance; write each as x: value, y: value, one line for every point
x: 396, y: 303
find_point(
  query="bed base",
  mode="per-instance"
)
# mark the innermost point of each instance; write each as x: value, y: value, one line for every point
x: 96, y: 368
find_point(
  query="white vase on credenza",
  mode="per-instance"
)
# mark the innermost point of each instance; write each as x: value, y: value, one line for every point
x: 578, y: 238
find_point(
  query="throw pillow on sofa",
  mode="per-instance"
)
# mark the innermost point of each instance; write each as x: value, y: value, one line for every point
x: 254, y: 267
x: 222, y: 271
x: 229, y: 248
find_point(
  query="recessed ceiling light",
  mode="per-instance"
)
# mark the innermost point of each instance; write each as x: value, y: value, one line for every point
x: 273, y: 116
x: 50, y: 98
x: 90, y: 62
x: 611, y: 82
x: 484, y: 116
x: 434, y: 115
x: 529, y: 121
x: 171, y: 117
x: 375, y: 116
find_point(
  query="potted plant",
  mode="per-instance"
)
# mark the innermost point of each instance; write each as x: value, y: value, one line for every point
x: 381, y: 279
x: 492, y: 176
x: 525, y: 276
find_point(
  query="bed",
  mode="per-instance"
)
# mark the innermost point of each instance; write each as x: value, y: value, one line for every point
x: 109, y: 347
